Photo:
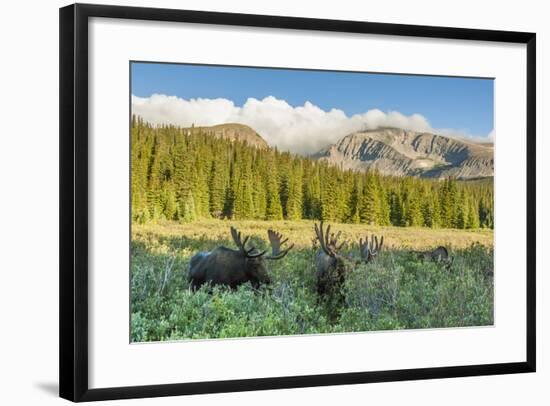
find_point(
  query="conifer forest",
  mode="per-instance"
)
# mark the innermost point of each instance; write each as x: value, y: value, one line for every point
x: 184, y: 175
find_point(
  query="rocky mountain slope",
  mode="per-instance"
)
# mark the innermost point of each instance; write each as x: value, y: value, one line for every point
x: 398, y: 152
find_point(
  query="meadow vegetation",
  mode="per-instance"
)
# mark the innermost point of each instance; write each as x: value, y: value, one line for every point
x: 397, y: 291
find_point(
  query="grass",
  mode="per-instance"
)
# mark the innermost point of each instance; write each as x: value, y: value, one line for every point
x: 396, y: 292
x: 301, y: 233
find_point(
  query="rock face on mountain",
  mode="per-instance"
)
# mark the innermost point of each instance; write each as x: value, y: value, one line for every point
x: 235, y: 131
x: 398, y: 152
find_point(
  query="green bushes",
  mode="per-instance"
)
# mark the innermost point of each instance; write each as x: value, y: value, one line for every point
x: 396, y: 292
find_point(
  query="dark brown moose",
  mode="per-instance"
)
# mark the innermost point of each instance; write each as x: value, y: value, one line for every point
x: 332, y: 266
x: 228, y: 267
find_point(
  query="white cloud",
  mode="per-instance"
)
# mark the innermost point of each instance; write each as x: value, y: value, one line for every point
x: 300, y: 129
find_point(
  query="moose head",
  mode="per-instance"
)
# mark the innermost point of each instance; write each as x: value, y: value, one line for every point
x: 224, y: 266
x: 370, y: 251
x: 254, y: 264
x: 331, y: 266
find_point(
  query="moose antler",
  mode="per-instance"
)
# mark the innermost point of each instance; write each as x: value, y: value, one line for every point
x: 323, y: 238
x: 276, y: 243
x: 333, y: 242
x: 369, y: 251
x: 242, y: 244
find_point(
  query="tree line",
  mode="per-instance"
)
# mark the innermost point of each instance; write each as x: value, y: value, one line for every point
x: 186, y: 174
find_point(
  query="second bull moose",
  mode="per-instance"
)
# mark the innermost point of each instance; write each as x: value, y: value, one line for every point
x: 229, y: 267
x: 332, y: 266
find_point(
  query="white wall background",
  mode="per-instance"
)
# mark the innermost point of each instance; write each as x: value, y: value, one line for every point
x: 29, y: 203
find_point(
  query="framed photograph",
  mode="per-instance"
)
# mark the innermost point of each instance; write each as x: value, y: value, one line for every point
x: 257, y: 202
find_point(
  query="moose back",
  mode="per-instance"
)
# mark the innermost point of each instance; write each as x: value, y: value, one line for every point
x: 229, y: 267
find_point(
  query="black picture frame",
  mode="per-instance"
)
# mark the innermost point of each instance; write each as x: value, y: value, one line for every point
x: 73, y: 254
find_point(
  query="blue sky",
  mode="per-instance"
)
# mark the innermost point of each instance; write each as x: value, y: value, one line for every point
x: 461, y: 104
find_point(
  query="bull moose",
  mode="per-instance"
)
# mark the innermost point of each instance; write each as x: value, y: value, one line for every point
x: 332, y: 266
x: 229, y: 267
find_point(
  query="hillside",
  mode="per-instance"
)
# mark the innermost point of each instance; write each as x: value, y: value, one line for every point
x: 398, y: 152
x: 233, y: 132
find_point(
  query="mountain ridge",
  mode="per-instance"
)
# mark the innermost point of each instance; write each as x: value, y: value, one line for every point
x: 398, y: 152
x: 389, y: 150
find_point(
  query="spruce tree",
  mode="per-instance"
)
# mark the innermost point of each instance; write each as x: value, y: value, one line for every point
x: 274, y: 209
x: 368, y: 206
x: 217, y: 185
x: 294, y: 201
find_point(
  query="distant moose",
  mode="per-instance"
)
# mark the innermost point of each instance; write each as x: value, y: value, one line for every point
x: 438, y: 255
x: 229, y: 267
x: 332, y: 266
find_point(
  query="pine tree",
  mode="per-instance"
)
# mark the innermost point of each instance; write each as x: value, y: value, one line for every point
x: 284, y: 175
x: 384, y: 206
x: 461, y: 211
x: 368, y: 206
x: 329, y: 196
x: 472, y: 221
x: 170, y: 203
x: 200, y: 171
x: 312, y: 192
x: 436, y: 210
x: 186, y: 210
x: 354, y: 201
x: 231, y: 190
x: 414, y: 213
x: 294, y: 201
x: 274, y: 209
x: 427, y: 213
x: 412, y: 206
x: 217, y: 185
x: 259, y: 196
x: 183, y: 177
x: 244, y: 203
x: 396, y: 209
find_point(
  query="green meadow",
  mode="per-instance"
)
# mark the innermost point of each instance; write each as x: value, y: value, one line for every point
x: 396, y: 291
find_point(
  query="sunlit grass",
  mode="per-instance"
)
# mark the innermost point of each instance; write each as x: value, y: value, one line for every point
x: 301, y: 232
